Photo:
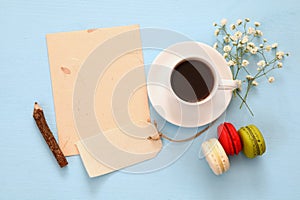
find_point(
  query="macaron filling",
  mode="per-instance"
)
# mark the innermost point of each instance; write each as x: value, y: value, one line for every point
x: 219, y: 160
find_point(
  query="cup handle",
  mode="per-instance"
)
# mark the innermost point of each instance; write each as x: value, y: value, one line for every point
x: 227, y: 84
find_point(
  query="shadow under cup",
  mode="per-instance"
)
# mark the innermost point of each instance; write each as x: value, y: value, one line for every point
x: 192, y: 80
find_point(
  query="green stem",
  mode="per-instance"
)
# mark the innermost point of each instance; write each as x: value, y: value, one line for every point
x: 265, y: 73
x: 246, y: 95
x: 237, y: 72
x: 232, y: 69
x: 244, y: 68
x: 244, y: 101
x: 263, y: 56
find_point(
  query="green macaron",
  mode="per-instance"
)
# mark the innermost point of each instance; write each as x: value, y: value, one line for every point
x: 252, y: 140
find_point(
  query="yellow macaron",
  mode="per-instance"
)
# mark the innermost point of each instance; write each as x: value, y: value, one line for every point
x: 252, y: 140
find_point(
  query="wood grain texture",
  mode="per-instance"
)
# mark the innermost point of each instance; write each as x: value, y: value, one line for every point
x: 39, y: 117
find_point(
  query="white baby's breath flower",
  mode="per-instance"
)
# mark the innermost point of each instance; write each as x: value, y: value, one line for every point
x: 255, y: 83
x: 244, y: 40
x: 217, y: 31
x: 261, y: 46
x: 215, y: 45
x: 265, y: 40
x: 254, y: 50
x: 239, y: 22
x: 238, y: 34
x: 271, y: 79
x: 247, y: 20
x: 268, y: 48
x: 279, y: 65
x: 215, y: 24
x: 240, y: 45
x: 232, y: 26
x: 251, y: 30
x: 250, y: 45
x: 230, y: 63
x: 275, y: 45
x: 239, y: 85
x: 223, y: 22
x: 227, y: 48
x: 258, y: 33
x: 245, y: 63
x: 256, y: 24
x: 261, y: 63
x: 279, y: 55
x: 249, y: 77
x: 226, y: 39
x: 258, y: 69
x: 233, y: 38
x: 225, y: 55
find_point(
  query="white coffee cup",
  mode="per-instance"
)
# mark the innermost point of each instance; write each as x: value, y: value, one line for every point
x: 218, y: 83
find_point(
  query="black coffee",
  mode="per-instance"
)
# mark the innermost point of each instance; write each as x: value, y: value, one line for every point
x: 192, y: 80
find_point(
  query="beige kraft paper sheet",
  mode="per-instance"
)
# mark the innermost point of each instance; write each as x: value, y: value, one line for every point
x: 67, y: 51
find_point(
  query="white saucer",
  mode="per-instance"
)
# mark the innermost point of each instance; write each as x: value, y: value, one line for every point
x: 163, y: 99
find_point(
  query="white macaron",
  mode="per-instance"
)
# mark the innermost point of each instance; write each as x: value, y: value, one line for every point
x: 215, y: 156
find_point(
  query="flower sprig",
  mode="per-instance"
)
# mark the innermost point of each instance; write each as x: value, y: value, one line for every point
x: 249, y: 55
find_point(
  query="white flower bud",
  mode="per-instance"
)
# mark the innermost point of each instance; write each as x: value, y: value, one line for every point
x: 223, y: 22
x: 254, y: 50
x: 250, y: 45
x: 244, y: 40
x: 227, y: 48
x: 279, y: 55
x: 239, y: 84
x: 256, y: 24
x: 258, y: 33
x: 217, y: 31
x: 249, y: 77
x: 232, y: 26
x: 268, y: 48
x: 245, y: 63
x: 226, y: 39
x: 255, y: 83
x: 215, y: 45
x: 251, y: 30
x: 233, y: 38
x: 230, y: 63
x: 275, y: 45
x: 238, y: 34
x: 271, y: 79
x: 261, y: 63
x: 239, y: 22
x: 240, y: 45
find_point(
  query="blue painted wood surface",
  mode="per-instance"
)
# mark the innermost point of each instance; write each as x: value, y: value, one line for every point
x: 27, y: 168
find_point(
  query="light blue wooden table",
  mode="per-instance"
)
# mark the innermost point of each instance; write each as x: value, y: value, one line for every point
x: 28, y: 170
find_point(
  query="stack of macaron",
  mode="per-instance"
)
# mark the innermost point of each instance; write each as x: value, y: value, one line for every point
x: 231, y: 142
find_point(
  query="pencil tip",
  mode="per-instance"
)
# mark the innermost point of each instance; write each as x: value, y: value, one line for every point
x: 37, y: 106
